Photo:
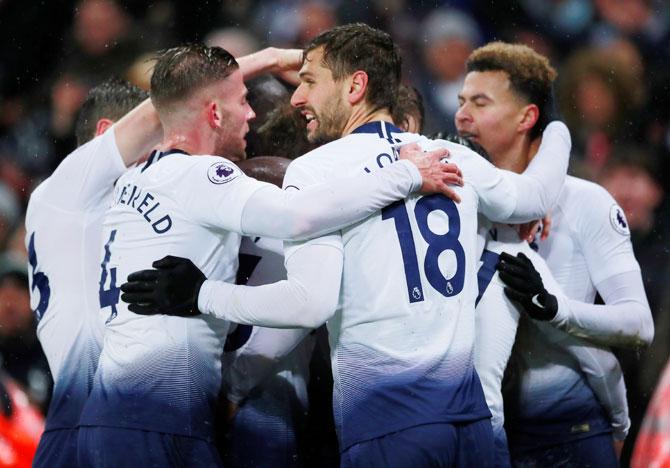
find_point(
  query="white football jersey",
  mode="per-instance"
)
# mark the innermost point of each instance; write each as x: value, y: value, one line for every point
x: 403, y: 334
x: 589, y: 242
x: 163, y: 373
x: 63, y: 231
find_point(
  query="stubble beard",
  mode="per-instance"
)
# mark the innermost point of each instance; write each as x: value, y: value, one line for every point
x: 331, y: 124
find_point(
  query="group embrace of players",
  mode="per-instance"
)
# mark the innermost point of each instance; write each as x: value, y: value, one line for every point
x: 416, y: 263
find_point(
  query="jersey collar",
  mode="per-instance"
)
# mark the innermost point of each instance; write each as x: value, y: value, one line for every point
x: 381, y: 128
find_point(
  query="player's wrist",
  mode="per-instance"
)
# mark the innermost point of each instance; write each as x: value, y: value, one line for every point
x: 414, y: 173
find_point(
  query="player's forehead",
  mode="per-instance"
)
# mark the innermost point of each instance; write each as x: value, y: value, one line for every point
x: 486, y: 83
x: 313, y: 63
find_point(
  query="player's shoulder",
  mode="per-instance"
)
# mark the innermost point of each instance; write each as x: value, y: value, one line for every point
x: 584, y: 195
x: 588, y: 204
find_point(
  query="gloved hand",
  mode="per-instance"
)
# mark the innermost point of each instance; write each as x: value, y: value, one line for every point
x: 171, y: 289
x: 524, y: 286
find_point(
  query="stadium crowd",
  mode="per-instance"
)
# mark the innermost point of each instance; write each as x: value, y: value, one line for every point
x: 612, y: 91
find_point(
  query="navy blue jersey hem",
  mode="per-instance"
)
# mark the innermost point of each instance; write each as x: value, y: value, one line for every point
x: 208, y: 439
x: 470, y: 418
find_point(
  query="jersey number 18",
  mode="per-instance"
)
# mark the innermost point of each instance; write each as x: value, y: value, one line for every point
x: 437, y: 243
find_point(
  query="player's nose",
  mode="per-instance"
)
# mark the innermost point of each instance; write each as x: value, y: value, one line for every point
x: 298, y: 97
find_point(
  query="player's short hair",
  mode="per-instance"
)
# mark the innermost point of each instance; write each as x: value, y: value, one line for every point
x: 530, y: 74
x: 111, y: 99
x: 357, y: 46
x: 181, y: 71
x: 409, y: 102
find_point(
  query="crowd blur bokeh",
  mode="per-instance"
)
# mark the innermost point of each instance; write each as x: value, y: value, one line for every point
x: 613, y: 90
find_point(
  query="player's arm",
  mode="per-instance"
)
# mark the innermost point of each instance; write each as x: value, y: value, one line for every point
x: 284, y: 63
x: 137, y: 132
x: 258, y: 359
x: 625, y: 319
x: 603, y: 374
x: 85, y: 177
x: 508, y: 197
x: 621, y: 321
x: 307, y: 298
x: 327, y: 206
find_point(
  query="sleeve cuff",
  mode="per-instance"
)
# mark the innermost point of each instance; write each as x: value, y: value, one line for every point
x: 417, y: 180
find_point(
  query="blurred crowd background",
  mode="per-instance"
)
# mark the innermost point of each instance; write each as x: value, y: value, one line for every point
x: 613, y: 59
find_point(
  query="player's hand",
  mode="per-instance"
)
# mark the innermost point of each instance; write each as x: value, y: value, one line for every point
x: 287, y: 64
x: 523, y: 285
x: 527, y: 231
x: 436, y: 172
x: 171, y: 289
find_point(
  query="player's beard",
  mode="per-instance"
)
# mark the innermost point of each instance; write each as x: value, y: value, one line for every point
x: 331, y: 122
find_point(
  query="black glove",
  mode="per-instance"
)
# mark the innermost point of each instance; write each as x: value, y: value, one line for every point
x: 524, y: 286
x: 171, y: 289
x: 474, y: 146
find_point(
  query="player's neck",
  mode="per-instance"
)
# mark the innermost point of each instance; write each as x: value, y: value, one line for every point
x: 517, y: 156
x: 363, y: 115
x: 192, y: 142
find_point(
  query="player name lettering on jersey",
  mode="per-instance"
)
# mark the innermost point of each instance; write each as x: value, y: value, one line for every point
x: 130, y: 194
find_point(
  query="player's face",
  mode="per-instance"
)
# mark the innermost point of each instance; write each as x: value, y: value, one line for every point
x: 321, y: 100
x: 236, y: 114
x: 488, y: 111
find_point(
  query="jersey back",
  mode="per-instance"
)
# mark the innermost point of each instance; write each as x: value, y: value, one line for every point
x: 403, y: 334
x: 163, y: 373
x: 63, y: 230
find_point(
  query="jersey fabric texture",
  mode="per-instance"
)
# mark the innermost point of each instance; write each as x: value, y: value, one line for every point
x: 403, y: 333
x: 549, y: 399
x: 163, y: 373
x: 63, y: 230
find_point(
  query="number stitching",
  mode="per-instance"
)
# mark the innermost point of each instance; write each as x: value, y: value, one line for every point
x: 109, y: 297
x: 40, y: 280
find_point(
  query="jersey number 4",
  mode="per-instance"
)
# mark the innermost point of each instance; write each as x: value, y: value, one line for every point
x: 108, y: 297
x: 437, y: 243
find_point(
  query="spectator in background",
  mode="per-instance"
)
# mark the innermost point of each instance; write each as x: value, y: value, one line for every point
x: 20, y: 353
x: 449, y: 38
x: 238, y: 41
x: 600, y: 99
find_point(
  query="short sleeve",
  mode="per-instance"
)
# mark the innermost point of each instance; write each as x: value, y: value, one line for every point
x: 86, y: 176
x: 217, y: 191
x: 603, y: 232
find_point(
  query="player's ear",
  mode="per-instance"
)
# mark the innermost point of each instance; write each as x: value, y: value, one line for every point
x: 358, y: 84
x: 102, y: 125
x: 214, y: 115
x: 529, y: 116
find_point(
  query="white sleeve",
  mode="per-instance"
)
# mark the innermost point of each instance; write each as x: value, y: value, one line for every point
x: 603, y: 374
x: 508, y: 197
x: 84, y: 179
x: 602, y: 231
x: 259, y: 357
x: 307, y: 299
x: 320, y: 208
x: 624, y: 320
